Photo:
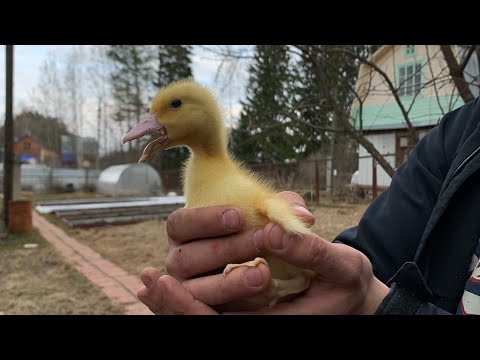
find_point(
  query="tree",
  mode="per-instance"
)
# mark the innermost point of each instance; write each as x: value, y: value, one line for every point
x: 130, y: 81
x: 264, y: 132
x: 73, y: 86
x: 98, y: 78
x: 49, y: 94
x: 173, y: 63
x: 378, y: 80
x: 47, y: 130
x: 457, y: 70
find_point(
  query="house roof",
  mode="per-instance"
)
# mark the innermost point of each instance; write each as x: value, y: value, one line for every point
x: 380, y: 52
x: 20, y: 138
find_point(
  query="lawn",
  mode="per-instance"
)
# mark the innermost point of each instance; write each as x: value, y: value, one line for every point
x: 38, y: 281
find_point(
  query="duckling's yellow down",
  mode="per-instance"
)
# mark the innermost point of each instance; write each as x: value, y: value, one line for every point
x: 221, y: 180
x: 213, y: 177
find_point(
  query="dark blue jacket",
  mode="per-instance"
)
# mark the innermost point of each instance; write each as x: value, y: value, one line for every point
x: 420, y: 234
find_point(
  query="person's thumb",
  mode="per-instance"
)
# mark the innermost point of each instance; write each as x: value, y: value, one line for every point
x: 308, y: 251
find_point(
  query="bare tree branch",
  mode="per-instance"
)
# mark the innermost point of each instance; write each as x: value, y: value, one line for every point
x: 341, y: 116
x: 478, y: 63
x: 434, y: 84
x: 393, y: 89
x: 457, y: 74
x: 467, y: 57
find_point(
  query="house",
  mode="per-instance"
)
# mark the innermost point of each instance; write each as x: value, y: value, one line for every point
x: 29, y: 150
x: 425, y: 88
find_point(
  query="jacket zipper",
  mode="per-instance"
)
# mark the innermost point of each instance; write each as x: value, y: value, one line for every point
x: 457, y: 170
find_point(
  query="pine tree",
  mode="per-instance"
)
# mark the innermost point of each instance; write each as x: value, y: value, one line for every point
x: 45, y: 129
x: 174, y: 63
x: 130, y: 82
x: 263, y: 133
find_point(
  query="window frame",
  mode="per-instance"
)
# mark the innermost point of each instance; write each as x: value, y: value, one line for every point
x: 405, y: 66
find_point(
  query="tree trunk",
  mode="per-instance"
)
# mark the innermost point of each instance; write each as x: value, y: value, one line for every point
x: 456, y: 72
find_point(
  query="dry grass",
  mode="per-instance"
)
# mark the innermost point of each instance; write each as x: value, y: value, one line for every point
x: 38, y: 281
x: 134, y: 247
x: 331, y: 219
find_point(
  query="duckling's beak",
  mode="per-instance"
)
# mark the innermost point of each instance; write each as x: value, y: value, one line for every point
x: 148, y: 125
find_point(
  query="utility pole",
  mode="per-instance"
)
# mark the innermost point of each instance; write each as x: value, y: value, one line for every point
x: 8, y: 160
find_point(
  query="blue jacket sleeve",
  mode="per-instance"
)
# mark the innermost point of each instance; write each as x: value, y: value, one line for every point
x: 392, y: 227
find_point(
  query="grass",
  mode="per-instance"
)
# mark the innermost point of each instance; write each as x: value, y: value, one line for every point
x: 333, y: 218
x: 38, y: 281
x: 132, y: 247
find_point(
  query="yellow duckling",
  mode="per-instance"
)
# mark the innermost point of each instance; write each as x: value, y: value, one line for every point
x: 187, y: 114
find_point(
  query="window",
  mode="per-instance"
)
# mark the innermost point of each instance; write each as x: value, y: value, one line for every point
x: 409, y: 50
x: 26, y: 146
x: 410, y: 79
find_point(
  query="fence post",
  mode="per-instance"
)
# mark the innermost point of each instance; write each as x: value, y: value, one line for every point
x: 317, y: 183
x: 328, y: 174
x: 374, y: 178
x: 49, y: 185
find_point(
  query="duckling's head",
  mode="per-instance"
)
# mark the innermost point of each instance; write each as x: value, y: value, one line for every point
x: 184, y: 113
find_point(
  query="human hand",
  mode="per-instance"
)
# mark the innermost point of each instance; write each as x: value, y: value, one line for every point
x: 344, y: 281
x: 202, y: 241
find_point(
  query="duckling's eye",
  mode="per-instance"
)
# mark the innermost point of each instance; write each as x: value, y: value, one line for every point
x: 176, y: 103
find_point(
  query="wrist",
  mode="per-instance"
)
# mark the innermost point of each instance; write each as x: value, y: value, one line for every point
x: 376, y: 294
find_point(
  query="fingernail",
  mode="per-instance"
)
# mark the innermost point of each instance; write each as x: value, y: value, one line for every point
x: 253, y: 277
x: 147, y: 282
x: 278, y: 238
x: 302, y: 210
x: 258, y: 239
x: 230, y: 219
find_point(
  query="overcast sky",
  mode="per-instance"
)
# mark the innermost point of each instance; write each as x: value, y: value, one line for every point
x: 29, y: 58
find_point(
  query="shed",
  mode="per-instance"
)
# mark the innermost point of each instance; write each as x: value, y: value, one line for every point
x: 129, y: 179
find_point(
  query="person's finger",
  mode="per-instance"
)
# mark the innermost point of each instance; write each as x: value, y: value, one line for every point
x: 219, y: 289
x: 179, y: 300
x: 149, y: 277
x: 300, y: 208
x: 202, y: 256
x: 336, y: 262
x: 184, y: 224
x: 166, y: 296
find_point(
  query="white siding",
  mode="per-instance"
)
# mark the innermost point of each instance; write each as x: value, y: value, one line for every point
x: 385, y: 144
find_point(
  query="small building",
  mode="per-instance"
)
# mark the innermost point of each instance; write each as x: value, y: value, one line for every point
x: 27, y: 148
x: 422, y: 81
x: 130, y: 179
x: 30, y: 151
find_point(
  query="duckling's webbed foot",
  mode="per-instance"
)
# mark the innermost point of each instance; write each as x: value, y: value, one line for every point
x: 252, y: 263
